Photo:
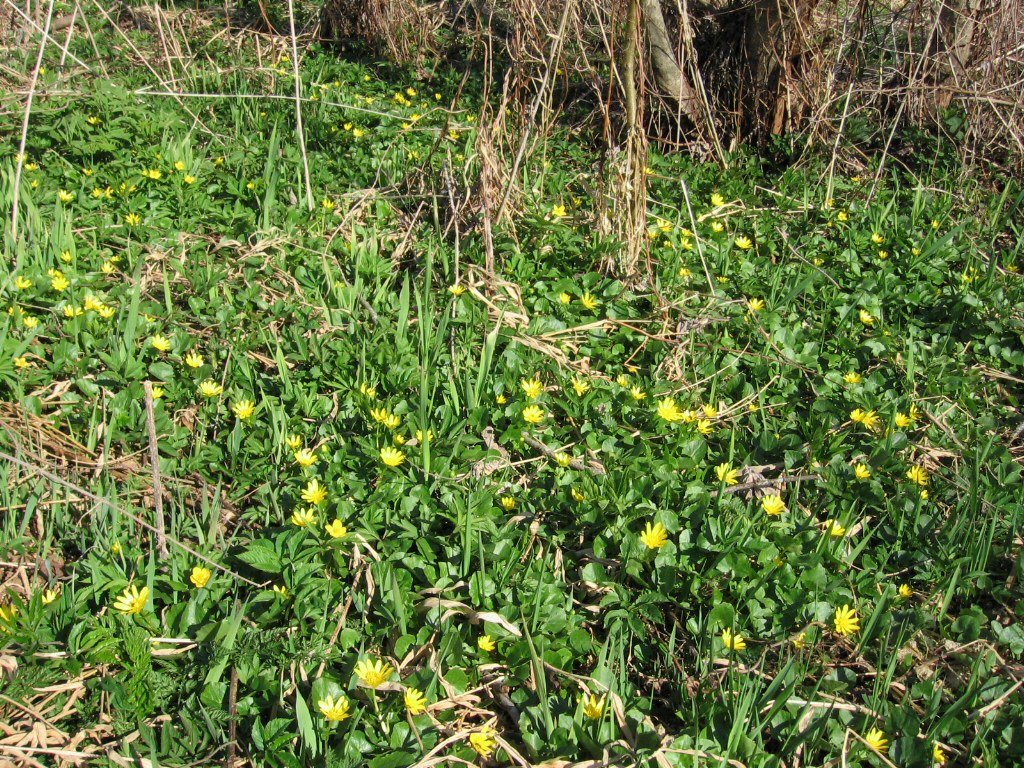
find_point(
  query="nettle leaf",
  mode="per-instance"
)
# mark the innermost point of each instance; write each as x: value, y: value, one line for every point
x: 261, y: 555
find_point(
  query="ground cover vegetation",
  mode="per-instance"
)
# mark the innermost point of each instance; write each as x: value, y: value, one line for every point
x: 760, y: 507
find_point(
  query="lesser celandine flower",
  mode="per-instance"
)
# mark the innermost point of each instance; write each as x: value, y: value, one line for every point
x: 21, y: 362
x: 508, y: 503
x: 800, y: 641
x: 532, y: 388
x: 281, y: 589
x: 593, y: 706
x: 562, y: 458
x: 589, y: 301
x: 852, y: 378
x: 159, y: 343
x: 22, y: 283
x: 862, y: 472
x: 875, y: 739
x: 59, y: 283
x: 938, y: 755
x: 132, y: 600
x: 654, y: 536
x: 705, y: 427
x: 392, y: 421
x: 835, y: 528
x: 755, y: 305
x: 193, y: 360
x: 902, y: 420
x: 577, y: 496
x: 486, y: 643
x: 869, y: 419
x: 415, y: 701
x: 65, y: 196
x: 293, y: 441
x: 918, y: 474
x: 334, y: 710
x: 744, y: 243
x: 717, y: 200
x: 304, y: 517
x: 637, y: 393
x: 565, y: 298
x: 866, y: 317
x: 877, y: 238
x: 558, y: 211
x: 727, y: 474
x: 905, y: 591
x: 773, y: 505
x: 314, y: 493
x: 200, y: 576
x: 210, y: 388
x: 500, y: 399
x: 373, y: 673
x: 533, y: 414
x: 243, y: 409
x: 580, y: 386
x: 305, y: 457
x: 391, y: 457
x: 366, y: 389
x: 336, y: 529
x: 483, y: 741
x: 669, y: 411
x: 50, y: 595
x: 457, y: 290
x: 733, y: 642
x: 846, y: 621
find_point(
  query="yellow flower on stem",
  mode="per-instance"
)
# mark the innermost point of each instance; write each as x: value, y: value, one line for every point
x: 754, y: 305
x: 314, y: 493
x: 773, y: 505
x: 457, y: 289
x: 486, y: 643
x: 637, y: 393
x: 532, y: 388
x: 334, y: 710
x: 293, y: 441
x: 50, y: 595
x: 373, y: 673
x: 866, y: 317
x: 336, y: 529
x: 577, y: 496
x: 852, y: 378
x: 304, y: 517
x: 733, y: 642
x: 558, y: 212
x: 59, y: 283
x: 132, y: 600
x: 22, y: 283
x: 869, y: 419
x: 565, y: 298
x: 906, y: 591
x: 562, y: 458
x: 590, y: 301
x: 654, y: 536
x: 862, y: 471
x: 580, y: 386
x: 305, y: 457
x: 533, y: 414
x: 200, y: 576
x: 210, y: 388
x: 593, y: 706
x: 939, y: 755
x: 159, y: 343
x: 65, y: 196
x: 508, y: 503
x: 483, y: 741
x: 918, y: 474
x: 902, y: 420
x: 727, y: 474
x: 391, y: 457
x: 875, y: 739
x: 668, y: 410
x: 244, y: 409
x: 846, y: 621
x: 193, y: 360
x: 835, y: 528
x: 717, y: 200
x: 415, y: 701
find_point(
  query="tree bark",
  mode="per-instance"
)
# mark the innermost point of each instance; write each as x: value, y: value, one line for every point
x: 669, y: 76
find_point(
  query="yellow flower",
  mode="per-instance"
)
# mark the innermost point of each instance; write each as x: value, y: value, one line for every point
x: 938, y: 755
x: 623, y: 380
x: 65, y: 196
x: 773, y: 505
x: 500, y: 399
x: 483, y: 741
x: 200, y: 576
x: 533, y: 414
x: 457, y: 290
x: 244, y: 409
x: 562, y: 458
x: 370, y: 392
x: 430, y: 435
x: 755, y: 305
x: 902, y: 420
x: 914, y: 413
x: 589, y: 301
x: 577, y: 496
x: 862, y: 471
x: 189, y: 178
x: 160, y: 343
x: 392, y: 421
x: 835, y: 528
x: 50, y: 595
x: 373, y: 674
x: 305, y: 457
x: 877, y: 741
x: 358, y: 132
x: 883, y: 255
x: 727, y: 474
x: 22, y: 362
x: 869, y: 419
x: 380, y: 415
x: 800, y: 641
x: 593, y: 706
x: 906, y: 592
x: 717, y: 200
x: 710, y: 411
x: 334, y: 710
x: 704, y: 427
x: 158, y: 392
x: 852, y: 378
x: 59, y: 283
x: 532, y: 388
x: 565, y: 298
x: 336, y: 529
x: 486, y: 643
x: 685, y: 272
x: 415, y: 701
x: 733, y: 642
x: 314, y: 493
x: 328, y: 204
x: 210, y: 388
x: 22, y: 283
x: 132, y: 600
x: 637, y: 393
x: 508, y: 503
x: 876, y: 238
x: 866, y: 317
x: 133, y: 219
x: 558, y: 211
x: 936, y: 223
x: 392, y: 457
x: 115, y: 548
x: 193, y: 360
x: 66, y: 257
x: 581, y: 387
x: 281, y: 589
x: 293, y: 441
x: 153, y: 173
x: 846, y: 621
x: 918, y: 474
x: 669, y: 411
x: 304, y: 517
x: 744, y: 243
x: 717, y: 227
x: 654, y: 536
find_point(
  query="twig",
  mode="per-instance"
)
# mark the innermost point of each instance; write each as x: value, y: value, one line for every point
x: 154, y: 460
